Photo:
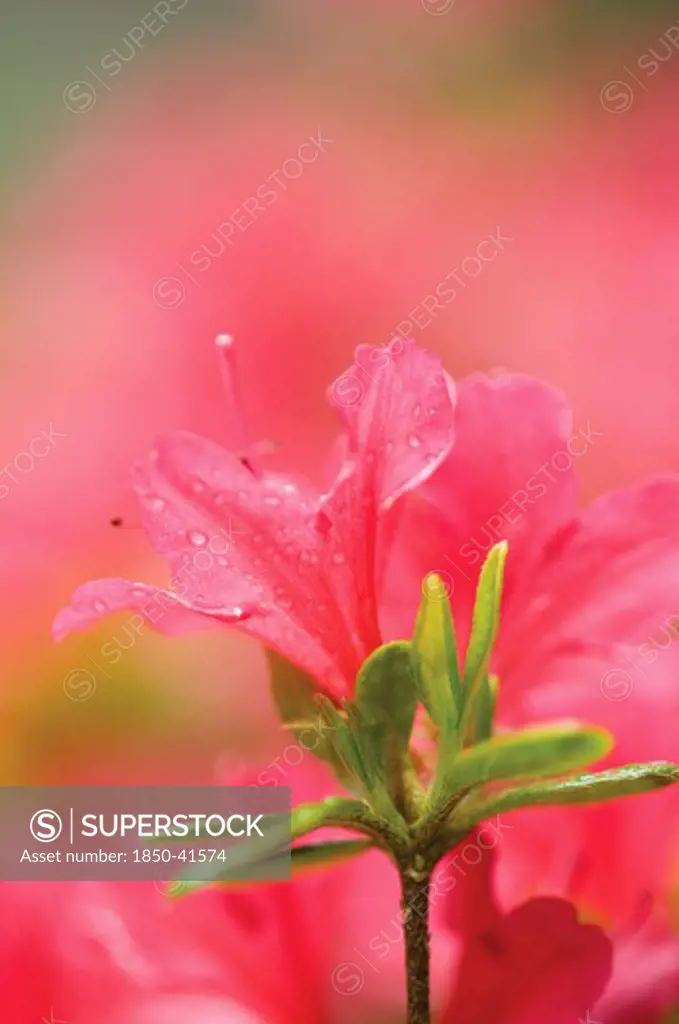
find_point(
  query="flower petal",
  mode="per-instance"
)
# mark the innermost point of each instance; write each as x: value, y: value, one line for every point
x: 509, y: 476
x: 598, y: 601
x: 536, y: 964
x: 161, y: 609
x: 234, y: 537
x: 397, y: 404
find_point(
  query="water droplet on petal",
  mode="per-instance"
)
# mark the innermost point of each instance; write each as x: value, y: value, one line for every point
x: 414, y: 440
x: 338, y: 558
x: 156, y: 503
x: 199, y: 539
x: 197, y: 486
x: 99, y: 606
x: 221, y: 497
x: 273, y: 500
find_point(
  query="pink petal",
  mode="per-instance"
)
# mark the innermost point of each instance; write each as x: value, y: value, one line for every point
x: 605, y: 587
x: 499, y: 482
x: 594, y: 632
x: 536, y: 964
x: 233, y: 537
x: 161, y: 609
x: 397, y: 404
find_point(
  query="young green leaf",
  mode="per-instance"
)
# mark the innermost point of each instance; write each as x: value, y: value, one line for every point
x: 540, y: 750
x: 435, y: 659
x: 252, y: 861
x: 303, y: 859
x: 382, y: 716
x: 320, y: 855
x: 481, y: 726
x: 581, y: 789
x: 485, y: 623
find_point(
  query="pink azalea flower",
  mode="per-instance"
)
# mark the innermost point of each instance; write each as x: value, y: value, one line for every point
x: 292, y: 566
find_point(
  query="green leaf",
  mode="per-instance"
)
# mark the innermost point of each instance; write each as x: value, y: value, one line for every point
x: 318, y: 855
x: 435, y: 659
x: 540, y: 750
x: 581, y: 789
x: 481, y: 728
x: 386, y: 695
x: 346, y: 749
x: 439, y: 681
x: 298, y: 702
x: 252, y: 861
x: 485, y: 623
x: 303, y: 859
x: 382, y: 716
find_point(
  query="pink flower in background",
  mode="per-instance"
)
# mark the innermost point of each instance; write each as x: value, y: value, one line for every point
x: 293, y: 567
x: 533, y: 964
x: 123, y: 954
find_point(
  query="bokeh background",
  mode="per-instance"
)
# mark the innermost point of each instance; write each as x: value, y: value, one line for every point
x: 129, y: 138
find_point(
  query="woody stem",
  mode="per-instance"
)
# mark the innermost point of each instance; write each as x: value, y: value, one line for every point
x: 415, y: 909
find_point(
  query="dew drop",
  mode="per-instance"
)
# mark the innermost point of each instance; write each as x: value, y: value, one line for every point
x: 99, y: 606
x: 414, y: 440
x: 156, y: 503
x: 198, y: 539
x: 273, y: 500
x: 338, y: 558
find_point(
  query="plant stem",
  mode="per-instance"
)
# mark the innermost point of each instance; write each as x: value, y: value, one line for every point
x: 415, y: 907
